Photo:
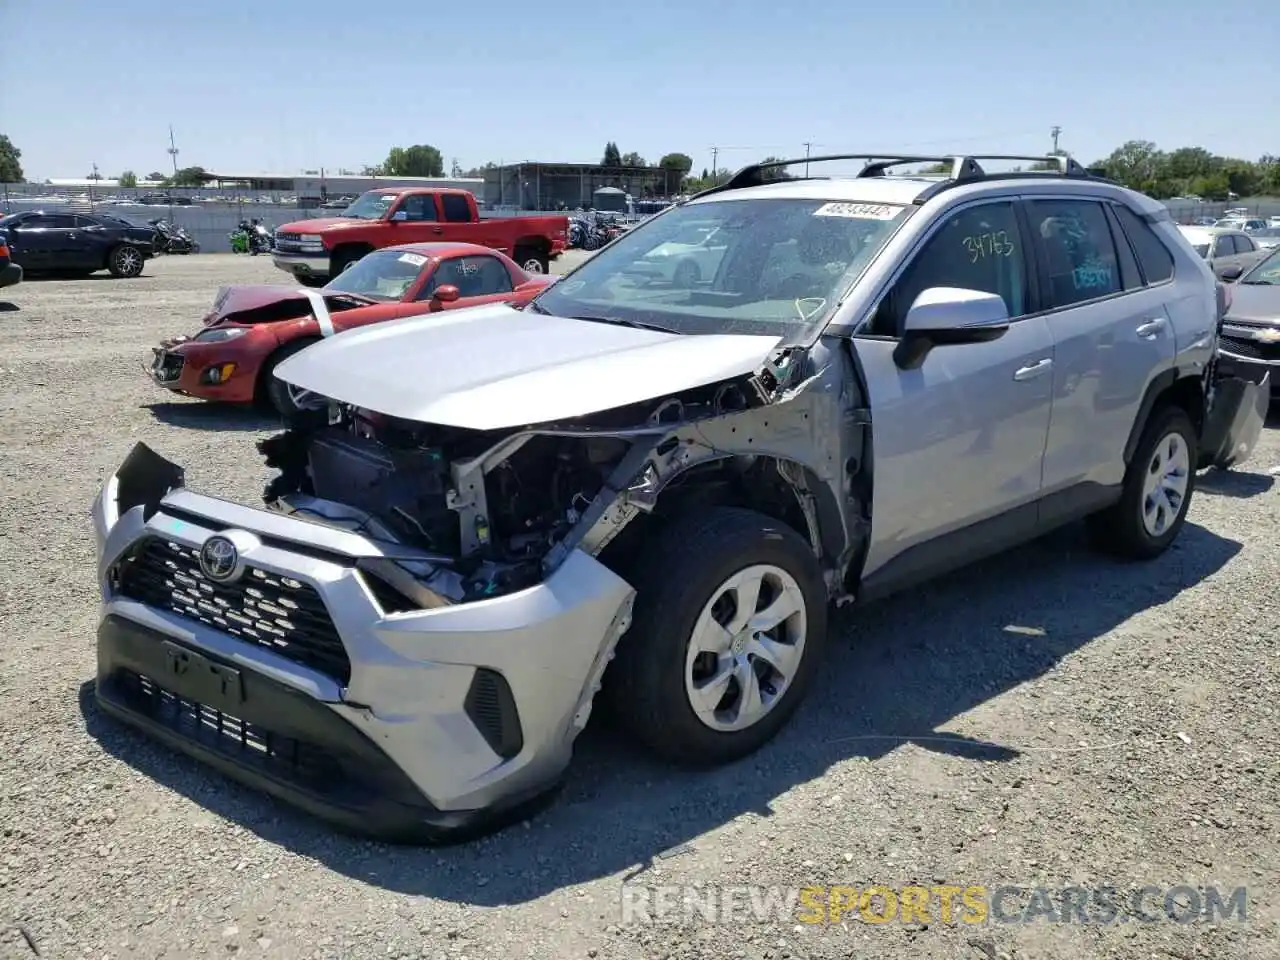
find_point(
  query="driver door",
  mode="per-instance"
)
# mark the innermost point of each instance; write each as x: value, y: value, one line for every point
x: 960, y: 441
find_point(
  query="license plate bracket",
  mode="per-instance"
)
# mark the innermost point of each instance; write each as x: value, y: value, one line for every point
x: 202, y: 679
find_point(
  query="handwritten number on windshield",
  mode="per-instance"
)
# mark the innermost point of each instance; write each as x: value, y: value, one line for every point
x: 983, y: 245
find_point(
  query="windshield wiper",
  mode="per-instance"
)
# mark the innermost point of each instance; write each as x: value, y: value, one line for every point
x: 634, y: 324
x: 1257, y: 283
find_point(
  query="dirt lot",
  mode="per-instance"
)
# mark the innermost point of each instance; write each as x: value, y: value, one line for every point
x: 1122, y: 734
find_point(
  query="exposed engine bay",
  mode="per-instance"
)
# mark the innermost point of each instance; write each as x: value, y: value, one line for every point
x: 489, y: 506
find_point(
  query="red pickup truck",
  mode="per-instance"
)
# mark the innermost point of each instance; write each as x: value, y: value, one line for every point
x: 315, y: 250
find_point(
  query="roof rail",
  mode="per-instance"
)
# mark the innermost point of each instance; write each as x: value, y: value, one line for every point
x: 963, y: 168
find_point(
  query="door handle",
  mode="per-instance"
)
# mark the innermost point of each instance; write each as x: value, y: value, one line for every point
x: 438, y: 230
x: 1031, y: 371
x: 1149, y: 330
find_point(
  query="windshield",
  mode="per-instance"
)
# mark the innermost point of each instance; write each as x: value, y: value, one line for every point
x: 381, y: 275
x: 776, y: 267
x: 1267, y: 272
x: 370, y: 206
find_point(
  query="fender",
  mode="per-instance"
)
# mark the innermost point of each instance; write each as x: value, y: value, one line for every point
x: 1155, y: 388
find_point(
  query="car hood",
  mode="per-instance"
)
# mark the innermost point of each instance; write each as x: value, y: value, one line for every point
x: 493, y: 367
x: 322, y: 224
x: 1258, y: 302
x: 242, y: 301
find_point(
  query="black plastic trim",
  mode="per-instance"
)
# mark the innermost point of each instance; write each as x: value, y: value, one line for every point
x: 1155, y: 388
x: 373, y: 798
x: 986, y: 538
x: 490, y: 705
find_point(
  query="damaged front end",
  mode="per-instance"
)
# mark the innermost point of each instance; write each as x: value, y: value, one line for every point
x: 500, y: 510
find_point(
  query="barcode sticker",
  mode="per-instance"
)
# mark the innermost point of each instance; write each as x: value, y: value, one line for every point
x: 857, y: 211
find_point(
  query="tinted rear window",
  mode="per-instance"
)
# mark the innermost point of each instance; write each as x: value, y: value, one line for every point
x: 1153, y: 256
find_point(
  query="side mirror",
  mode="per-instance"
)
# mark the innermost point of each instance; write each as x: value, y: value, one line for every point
x: 399, y: 216
x: 943, y: 316
x: 446, y: 294
x: 1231, y: 274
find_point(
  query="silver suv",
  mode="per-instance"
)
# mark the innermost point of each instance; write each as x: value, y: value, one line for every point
x: 658, y: 482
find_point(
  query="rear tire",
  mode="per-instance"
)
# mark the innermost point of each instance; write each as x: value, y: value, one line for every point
x: 700, y: 708
x: 532, y: 260
x: 1157, y: 490
x: 125, y: 261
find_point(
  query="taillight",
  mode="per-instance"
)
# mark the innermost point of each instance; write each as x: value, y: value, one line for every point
x: 4, y: 249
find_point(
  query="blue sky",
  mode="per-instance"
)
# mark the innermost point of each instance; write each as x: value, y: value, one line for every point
x: 287, y: 84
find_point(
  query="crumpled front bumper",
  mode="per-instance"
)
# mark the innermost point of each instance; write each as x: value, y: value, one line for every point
x: 413, y: 719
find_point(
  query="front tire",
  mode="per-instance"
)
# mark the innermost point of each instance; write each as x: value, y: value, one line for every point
x: 1158, y: 486
x: 125, y: 261
x: 729, y: 624
x: 277, y: 394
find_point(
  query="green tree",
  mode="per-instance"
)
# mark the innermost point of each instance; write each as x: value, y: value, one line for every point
x: 190, y: 177
x: 1137, y: 164
x: 10, y: 168
x: 676, y: 167
x: 156, y: 176
x: 128, y: 179
x: 776, y: 173
x: 420, y: 160
x: 612, y: 158
x: 633, y: 159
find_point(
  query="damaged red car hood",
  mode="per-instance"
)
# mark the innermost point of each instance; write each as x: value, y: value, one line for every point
x: 245, y: 298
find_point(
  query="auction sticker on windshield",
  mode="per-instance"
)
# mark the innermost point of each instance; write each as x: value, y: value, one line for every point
x: 413, y: 259
x: 857, y: 211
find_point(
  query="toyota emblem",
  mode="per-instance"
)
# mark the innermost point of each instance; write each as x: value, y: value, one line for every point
x: 219, y: 559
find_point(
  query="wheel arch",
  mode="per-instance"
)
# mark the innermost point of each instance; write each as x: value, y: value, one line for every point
x: 342, y: 249
x: 778, y: 487
x: 1181, y: 388
x: 274, y: 356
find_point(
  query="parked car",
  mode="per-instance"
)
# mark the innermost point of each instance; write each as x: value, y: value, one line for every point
x: 1223, y: 249
x: 1268, y: 238
x: 77, y: 243
x: 312, y: 250
x: 10, y: 272
x: 1247, y: 224
x: 253, y: 328
x: 1250, y: 340
x: 656, y: 493
x: 690, y: 259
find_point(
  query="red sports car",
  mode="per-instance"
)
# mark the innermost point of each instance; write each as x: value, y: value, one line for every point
x: 252, y: 328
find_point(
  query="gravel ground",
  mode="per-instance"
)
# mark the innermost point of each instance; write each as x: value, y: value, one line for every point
x: 1122, y: 734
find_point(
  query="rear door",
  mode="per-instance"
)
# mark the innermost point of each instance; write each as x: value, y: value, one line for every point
x: 1112, y: 336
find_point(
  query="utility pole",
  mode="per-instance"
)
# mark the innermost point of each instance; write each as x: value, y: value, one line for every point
x: 715, y: 152
x: 93, y: 181
x: 1055, y: 132
x: 173, y: 151
x: 807, y: 145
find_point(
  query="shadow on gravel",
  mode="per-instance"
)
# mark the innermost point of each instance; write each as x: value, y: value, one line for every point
x: 895, y: 673
x: 78, y: 277
x: 7, y: 307
x: 1233, y: 483
x: 199, y: 415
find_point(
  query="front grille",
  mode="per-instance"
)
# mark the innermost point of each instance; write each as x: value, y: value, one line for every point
x: 247, y: 743
x: 284, y: 615
x: 170, y: 367
x: 292, y: 237
x: 1249, y: 348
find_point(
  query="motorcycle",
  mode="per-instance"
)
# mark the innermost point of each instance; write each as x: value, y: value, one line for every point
x: 251, y: 237
x: 171, y: 238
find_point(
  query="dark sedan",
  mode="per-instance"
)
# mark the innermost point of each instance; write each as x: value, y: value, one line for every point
x: 10, y: 272
x: 76, y: 243
x: 1250, y: 340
